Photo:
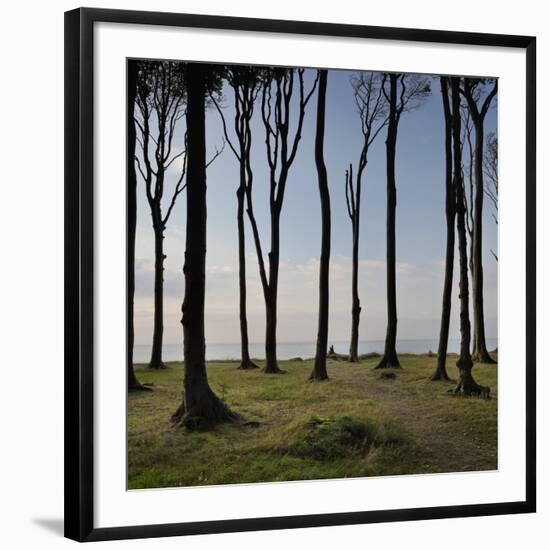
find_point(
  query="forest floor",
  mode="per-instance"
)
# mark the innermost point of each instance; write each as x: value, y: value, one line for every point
x: 357, y: 424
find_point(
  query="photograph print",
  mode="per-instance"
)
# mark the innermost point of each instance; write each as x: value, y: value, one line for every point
x: 312, y: 260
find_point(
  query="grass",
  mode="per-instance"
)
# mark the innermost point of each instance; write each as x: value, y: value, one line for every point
x: 357, y: 424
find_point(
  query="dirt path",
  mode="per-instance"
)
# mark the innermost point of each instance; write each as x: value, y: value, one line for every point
x: 437, y: 422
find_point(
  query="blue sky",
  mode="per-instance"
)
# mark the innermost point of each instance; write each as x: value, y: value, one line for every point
x: 420, y: 232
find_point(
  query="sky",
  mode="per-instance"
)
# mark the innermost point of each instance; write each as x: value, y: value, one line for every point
x: 420, y: 232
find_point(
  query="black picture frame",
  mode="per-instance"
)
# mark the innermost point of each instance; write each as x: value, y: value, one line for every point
x: 79, y: 298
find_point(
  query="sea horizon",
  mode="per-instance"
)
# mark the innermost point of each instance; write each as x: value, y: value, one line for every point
x: 290, y: 350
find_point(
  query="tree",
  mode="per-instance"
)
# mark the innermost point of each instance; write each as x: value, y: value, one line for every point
x: 412, y: 90
x: 320, y: 366
x: 450, y: 215
x: 161, y: 102
x: 372, y: 110
x: 490, y: 170
x: 200, y: 406
x: 467, y: 129
x: 132, y: 68
x: 278, y: 88
x: 466, y: 383
x: 245, y: 83
x: 478, y: 110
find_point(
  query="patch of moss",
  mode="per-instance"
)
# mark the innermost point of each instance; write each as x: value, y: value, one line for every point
x: 333, y: 437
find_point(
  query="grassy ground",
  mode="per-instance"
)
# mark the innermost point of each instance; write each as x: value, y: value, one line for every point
x: 356, y: 424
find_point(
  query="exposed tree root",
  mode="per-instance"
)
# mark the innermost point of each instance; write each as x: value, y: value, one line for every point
x: 440, y: 374
x: 247, y: 365
x: 388, y: 362
x: 205, y: 412
x: 468, y: 387
x: 272, y: 369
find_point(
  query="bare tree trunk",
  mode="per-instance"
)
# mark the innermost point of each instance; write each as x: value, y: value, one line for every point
x: 471, y: 254
x: 133, y: 382
x: 466, y: 383
x: 271, y: 365
x: 390, y: 359
x: 469, y: 215
x: 450, y: 212
x: 354, y: 209
x: 280, y: 156
x: 320, y: 366
x: 355, y: 302
x: 369, y: 97
x: 158, y: 316
x: 480, y: 353
x: 246, y: 362
x: 200, y: 405
x: 243, y: 82
x: 478, y: 114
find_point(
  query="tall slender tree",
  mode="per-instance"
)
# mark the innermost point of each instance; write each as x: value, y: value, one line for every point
x: 403, y: 93
x: 450, y: 215
x: 466, y: 383
x: 478, y: 111
x: 161, y: 104
x: 278, y: 88
x: 200, y: 405
x: 245, y: 83
x: 372, y: 110
x: 320, y: 365
x: 467, y: 130
x: 132, y: 77
x: 490, y: 170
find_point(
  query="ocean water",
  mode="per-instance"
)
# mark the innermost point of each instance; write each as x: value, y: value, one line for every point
x: 288, y: 350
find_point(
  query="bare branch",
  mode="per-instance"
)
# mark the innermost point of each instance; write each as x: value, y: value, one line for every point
x: 488, y: 99
x: 160, y: 100
x: 303, y: 104
x: 217, y: 153
x: 225, y: 133
x: 181, y: 153
x: 140, y: 169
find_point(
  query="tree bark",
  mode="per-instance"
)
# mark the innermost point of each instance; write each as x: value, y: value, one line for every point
x: 390, y: 359
x: 246, y: 362
x: 131, y: 213
x: 200, y: 406
x: 450, y: 214
x: 355, y: 307
x: 320, y: 365
x: 466, y: 383
x: 355, y: 302
x: 480, y: 352
x: 158, y: 316
x: 271, y: 364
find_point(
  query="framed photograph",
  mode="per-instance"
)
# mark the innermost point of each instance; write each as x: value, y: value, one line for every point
x: 300, y: 274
